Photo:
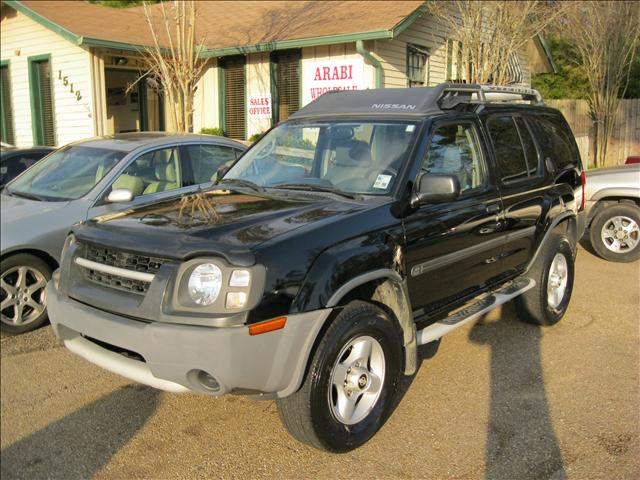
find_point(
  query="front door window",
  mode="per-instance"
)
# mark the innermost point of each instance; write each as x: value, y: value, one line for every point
x: 152, y: 172
x: 454, y: 150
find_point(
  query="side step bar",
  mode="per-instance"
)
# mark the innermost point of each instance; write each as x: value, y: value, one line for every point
x: 474, y: 311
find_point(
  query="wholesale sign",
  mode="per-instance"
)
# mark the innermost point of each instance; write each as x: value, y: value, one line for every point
x: 322, y: 76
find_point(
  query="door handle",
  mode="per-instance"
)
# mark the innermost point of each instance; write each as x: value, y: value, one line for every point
x: 493, y: 208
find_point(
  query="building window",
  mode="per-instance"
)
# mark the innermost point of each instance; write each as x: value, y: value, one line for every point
x: 285, y: 84
x: 41, y: 100
x: 417, y: 63
x: 234, y: 100
x: 6, y: 127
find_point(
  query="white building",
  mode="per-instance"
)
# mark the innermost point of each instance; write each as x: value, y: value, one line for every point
x: 66, y: 64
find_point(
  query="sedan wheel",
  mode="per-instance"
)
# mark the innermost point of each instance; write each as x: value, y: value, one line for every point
x: 23, y: 280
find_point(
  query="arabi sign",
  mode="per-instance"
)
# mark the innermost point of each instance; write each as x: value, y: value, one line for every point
x: 321, y: 76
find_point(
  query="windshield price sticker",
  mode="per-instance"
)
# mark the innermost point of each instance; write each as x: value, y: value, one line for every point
x: 382, y: 182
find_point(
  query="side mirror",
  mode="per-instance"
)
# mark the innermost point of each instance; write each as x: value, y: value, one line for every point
x: 120, y: 195
x: 435, y: 188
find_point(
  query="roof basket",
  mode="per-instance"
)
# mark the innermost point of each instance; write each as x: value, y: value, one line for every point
x: 453, y: 95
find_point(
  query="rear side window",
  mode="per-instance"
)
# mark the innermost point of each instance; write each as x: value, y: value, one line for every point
x: 531, y: 154
x: 555, y: 141
x: 508, y: 148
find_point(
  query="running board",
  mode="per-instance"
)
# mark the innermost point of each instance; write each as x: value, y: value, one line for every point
x: 474, y: 311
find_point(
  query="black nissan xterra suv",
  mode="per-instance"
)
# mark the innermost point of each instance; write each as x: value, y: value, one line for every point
x: 368, y: 223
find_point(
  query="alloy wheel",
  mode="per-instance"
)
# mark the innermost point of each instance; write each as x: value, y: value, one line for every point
x: 22, y: 295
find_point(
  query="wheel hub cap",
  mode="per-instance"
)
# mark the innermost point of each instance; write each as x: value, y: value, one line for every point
x: 356, y: 380
x: 558, y: 279
x: 620, y: 234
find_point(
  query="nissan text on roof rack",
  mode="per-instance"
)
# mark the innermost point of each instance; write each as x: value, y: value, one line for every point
x: 368, y: 223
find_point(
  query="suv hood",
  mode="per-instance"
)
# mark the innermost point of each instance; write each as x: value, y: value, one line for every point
x: 230, y: 223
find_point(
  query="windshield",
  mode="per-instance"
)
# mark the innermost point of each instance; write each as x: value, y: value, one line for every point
x: 66, y: 174
x: 353, y: 157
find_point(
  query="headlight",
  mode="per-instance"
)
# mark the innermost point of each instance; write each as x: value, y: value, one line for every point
x: 68, y: 243
x: 207, y: 287
x: 205, y: 283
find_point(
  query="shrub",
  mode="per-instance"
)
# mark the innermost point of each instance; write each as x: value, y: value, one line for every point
x: 256, y: 136
x: 213, y: 131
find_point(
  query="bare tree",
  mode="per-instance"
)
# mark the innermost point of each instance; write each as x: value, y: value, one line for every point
x: 605, y: 35
x: 490, y: 33
x: 174, y: 63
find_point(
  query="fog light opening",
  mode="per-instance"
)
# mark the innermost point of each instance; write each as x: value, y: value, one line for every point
x: 207, y: 381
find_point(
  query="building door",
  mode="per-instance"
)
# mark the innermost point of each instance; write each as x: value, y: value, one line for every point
x: 234, y: 101
x: 285, y: 84
x: 125, y: 112
x: 42, y: 120
x: 6, y: 128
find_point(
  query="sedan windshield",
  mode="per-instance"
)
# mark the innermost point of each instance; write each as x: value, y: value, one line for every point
x: 351, y: 157
x: 66, y: 174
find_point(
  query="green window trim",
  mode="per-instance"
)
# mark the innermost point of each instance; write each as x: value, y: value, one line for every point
x: 449, y: 59
x: 221, y: 97
x: 276, y: 60
x: 7, y: 126
x: 37, y: 121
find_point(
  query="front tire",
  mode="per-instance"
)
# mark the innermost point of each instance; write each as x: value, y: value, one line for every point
x: 23, y: 279
x: 615, y: 233
x: 547, y: 302
x: 349, y: 388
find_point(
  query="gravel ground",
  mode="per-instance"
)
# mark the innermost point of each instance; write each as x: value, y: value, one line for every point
x: 497, y: 400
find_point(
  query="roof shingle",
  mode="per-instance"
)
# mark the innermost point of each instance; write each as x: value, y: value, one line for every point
x: 225, y: 24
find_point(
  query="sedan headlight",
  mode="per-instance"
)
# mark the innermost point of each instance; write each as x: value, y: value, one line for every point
x: 205, y: 283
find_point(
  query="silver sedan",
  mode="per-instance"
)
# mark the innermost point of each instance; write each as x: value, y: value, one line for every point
x: 83, y: 180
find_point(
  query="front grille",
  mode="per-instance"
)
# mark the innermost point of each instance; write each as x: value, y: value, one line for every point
x: 120, y: 259
x: 116, y: 281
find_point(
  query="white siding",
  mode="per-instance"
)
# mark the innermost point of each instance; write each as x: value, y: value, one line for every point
x: 205, y: 102
x: 21, y: 38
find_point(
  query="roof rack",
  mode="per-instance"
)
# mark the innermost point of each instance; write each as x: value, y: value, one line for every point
x: 456, y: 94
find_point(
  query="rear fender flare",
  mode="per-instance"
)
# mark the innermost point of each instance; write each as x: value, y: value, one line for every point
x: 572, y: 231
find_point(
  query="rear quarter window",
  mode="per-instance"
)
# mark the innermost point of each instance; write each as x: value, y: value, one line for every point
x: 508, y: 149
x: 556, y: 141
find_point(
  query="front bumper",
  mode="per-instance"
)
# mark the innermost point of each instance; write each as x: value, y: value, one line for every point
x: 174, y: 354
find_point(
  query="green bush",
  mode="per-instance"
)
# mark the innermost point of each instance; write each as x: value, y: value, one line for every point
x: 213, y: 131
x: 256, y: 136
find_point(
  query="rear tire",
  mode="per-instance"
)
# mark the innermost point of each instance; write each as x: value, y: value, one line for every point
x: 335, y: 415
x: 22, y: 293
x: 547, y: 302
x: 622, y: 220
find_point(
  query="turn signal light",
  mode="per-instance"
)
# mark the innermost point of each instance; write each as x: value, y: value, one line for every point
x: 268, y: 326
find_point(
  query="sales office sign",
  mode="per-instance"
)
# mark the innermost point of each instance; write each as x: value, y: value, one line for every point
x: 324, y: 75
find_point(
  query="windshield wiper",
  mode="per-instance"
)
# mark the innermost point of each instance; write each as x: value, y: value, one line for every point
x: 28, y: 196
x: 242, y: 183
x: 315, y: 188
